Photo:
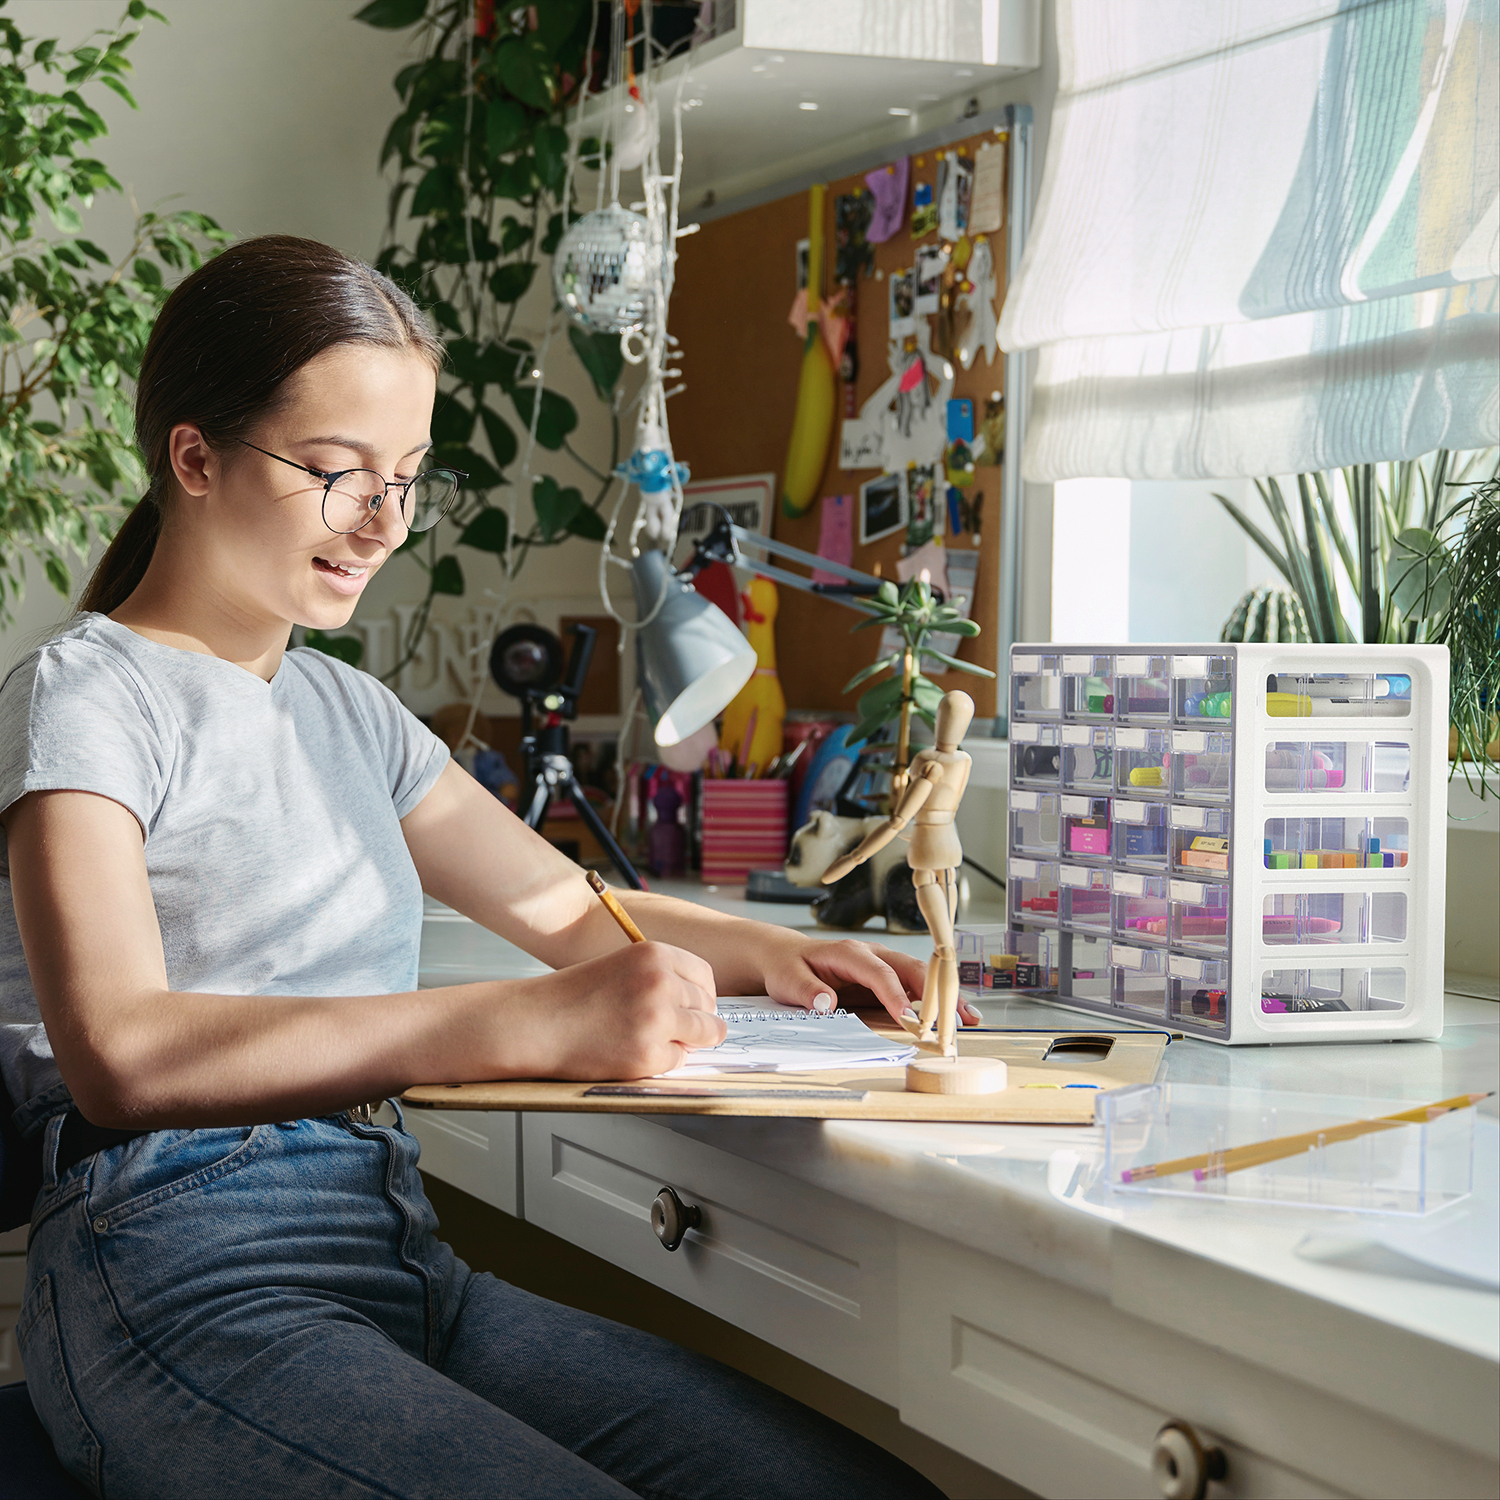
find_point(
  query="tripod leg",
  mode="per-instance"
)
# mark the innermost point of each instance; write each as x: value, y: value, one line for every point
x: 541, y: 798
x: 596, y: 826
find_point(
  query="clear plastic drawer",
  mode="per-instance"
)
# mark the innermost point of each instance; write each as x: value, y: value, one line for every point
x: 1143, y: 761
x: 1034, y: 824
x: 1088, y: 687
x: 1032, y: 890
x: 1200, y: 914
x: 1083, y: 966
x: 1140, y: 833
x: 1141, y: 911
x: 1336, y: 843
x: 1142, y: 688
x: 1087, y: 758
x: 1334, y: 917
x: 1138, y: 980
x: 1198, y: 990
x: 1201, y: 688
x: 1085, y: 827
x: 1325, y: 766
x: 1035, y: 756
x: 1035, y: 687
x: 1085, y: 898
x: 1313, y: 992
x: 1338, y: 695
x: 992, y: 957
x: 1200, y: 840
x: 1200, y: 763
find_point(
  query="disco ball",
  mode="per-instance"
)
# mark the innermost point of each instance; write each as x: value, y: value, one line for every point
x: 602, y: 271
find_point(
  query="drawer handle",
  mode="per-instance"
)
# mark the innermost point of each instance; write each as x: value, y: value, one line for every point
x: 671, y: 1218
x: 1183, y: 1464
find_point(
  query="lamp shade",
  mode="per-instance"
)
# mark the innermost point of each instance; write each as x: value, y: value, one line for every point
x: 691, y: 659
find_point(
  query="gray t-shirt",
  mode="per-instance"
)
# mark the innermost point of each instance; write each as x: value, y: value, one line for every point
x: 271, y: 813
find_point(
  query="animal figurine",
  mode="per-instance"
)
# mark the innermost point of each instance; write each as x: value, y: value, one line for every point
x: 936, y: 778
x: 882, y: 887
x: 753, y: 721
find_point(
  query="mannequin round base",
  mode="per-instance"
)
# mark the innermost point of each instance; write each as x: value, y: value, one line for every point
x: 956, y: 1075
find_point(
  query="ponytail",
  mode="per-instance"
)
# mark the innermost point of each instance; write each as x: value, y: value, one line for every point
x: 222, y: 349
x: 125, y: 560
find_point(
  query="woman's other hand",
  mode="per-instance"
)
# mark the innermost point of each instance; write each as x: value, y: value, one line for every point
x: 818, y: 974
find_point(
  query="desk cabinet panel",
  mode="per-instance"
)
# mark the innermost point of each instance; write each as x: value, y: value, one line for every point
x: 1064, y: 1393
x: 473, y: 1150
x: 808, y: 1272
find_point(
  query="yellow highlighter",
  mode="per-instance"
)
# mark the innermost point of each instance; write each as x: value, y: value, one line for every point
x: 1288, y: 706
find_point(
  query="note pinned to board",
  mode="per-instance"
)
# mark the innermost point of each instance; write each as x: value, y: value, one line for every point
x: 986, y: 205
x: 764, y: 1037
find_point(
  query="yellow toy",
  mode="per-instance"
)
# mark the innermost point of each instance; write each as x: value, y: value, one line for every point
x: 812, y: 421
x: 753, y: 720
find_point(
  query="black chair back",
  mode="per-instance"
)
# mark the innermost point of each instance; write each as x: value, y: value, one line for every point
x: 20, y: 1169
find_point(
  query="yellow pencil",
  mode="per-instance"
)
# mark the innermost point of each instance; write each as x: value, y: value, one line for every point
x: 1238, y: 1158
x: 614, y: 908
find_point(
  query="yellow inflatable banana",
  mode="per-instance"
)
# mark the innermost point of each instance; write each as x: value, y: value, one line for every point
x: 812, y: 424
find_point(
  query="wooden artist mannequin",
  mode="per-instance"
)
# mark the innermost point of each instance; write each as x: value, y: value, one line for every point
x: 935, y: 784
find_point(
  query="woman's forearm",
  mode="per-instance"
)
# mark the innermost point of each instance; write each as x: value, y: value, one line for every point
x: 164, y: 1059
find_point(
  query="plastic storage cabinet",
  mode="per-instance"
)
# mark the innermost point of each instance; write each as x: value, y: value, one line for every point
x: 1244, y: 842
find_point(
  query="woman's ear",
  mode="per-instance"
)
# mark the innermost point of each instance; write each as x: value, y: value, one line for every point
x: 194, y: 464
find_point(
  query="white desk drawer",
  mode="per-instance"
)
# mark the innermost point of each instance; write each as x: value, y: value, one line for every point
x: 796, y: 1266
x: 1064, y: 1393
x: 472, y: 1149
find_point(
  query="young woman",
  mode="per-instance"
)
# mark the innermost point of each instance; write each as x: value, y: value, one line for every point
x: 216, y: 851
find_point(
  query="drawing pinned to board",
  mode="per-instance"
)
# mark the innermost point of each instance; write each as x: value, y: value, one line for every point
x: 958, y: 456
x: 835, y: 536
x: 861, y: 444
x: 977, y: 302
x: 912, y: 421
x: 882, y: 507
x: 990, y: 448
x: 955, y: 183
x: 987, y: 205
x: 887, y: 187
x: 903, y: 301
x: 853, y: 254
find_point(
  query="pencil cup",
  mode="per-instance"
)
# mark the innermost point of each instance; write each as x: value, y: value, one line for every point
x: 744, y: 828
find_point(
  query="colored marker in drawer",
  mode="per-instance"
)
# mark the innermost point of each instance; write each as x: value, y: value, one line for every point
x: 1207, y: 853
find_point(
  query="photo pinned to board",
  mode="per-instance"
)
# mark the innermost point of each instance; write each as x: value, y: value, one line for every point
x: 882, y: 507
x: 903, y: 295
x: 932, y: 260
x: 923, y: 519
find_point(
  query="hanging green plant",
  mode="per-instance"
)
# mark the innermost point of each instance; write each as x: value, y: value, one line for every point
x: 482, y: 149
x: 73, y: 320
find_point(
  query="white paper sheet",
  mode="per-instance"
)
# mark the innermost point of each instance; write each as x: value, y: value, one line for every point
x: 765, y: 1037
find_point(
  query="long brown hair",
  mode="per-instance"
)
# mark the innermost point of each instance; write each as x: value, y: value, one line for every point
x: 220, y: 354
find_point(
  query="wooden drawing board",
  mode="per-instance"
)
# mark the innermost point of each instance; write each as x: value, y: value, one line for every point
x: 874, y: 1093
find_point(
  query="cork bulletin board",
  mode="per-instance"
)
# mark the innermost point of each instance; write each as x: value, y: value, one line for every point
x: 736, y: 281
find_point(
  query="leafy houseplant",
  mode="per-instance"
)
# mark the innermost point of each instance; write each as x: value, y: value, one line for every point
x: 1410, y: 566
x: 916, y: 615
x: 482, y: 149
x: 73, y: 322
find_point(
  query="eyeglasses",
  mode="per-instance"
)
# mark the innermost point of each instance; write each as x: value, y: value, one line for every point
x: 352, y: 497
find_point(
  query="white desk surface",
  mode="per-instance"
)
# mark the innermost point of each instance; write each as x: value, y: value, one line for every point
x: 1223, y: 1274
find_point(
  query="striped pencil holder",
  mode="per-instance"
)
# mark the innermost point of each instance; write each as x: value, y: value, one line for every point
x: 744, y: 828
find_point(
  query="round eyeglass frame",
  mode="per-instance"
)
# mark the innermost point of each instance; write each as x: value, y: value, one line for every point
x: 404, y: 485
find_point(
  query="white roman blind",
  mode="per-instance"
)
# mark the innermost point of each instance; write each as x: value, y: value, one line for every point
x: 1266, y: 240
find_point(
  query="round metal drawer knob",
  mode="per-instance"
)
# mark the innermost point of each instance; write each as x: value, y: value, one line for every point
x: 1183, y: 1464
x: 671, y: 1218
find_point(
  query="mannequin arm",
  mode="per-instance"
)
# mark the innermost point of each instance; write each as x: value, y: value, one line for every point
x: 917, y: 793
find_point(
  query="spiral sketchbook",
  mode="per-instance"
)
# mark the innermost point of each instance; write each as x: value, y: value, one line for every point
x: 763, y: 1037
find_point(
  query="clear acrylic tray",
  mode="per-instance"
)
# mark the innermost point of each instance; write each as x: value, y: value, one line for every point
x: 1412, y: 1169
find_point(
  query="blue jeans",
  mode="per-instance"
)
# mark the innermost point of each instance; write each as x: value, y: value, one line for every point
x: 267, y: 1311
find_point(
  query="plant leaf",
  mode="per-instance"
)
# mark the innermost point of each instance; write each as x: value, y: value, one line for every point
x: 489, y: 531
x: 554, y: 422
x: 344, y: 648
x: 504, y: 126
x: 886, y: 663
x: 954, y: 664
x: 447, y: 576
x: 1421, y: 584
x: 391, y: 15
x: 510, y: 281
x: 600, y: 355
x: 502, y: 439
